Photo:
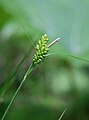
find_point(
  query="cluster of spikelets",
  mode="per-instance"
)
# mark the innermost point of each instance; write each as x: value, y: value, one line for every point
x: 41, y: 50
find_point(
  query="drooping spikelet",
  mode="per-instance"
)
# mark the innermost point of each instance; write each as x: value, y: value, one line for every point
x: 41, y: 50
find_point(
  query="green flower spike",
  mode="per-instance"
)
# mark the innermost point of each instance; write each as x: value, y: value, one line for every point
x: 42, y: 49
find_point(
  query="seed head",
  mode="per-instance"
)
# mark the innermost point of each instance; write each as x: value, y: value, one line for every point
x: 42, y: 49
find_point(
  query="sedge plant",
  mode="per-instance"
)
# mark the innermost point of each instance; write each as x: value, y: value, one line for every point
x: 42, y: 50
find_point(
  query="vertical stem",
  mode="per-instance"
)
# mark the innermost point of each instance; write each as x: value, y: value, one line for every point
x: 19, y: 87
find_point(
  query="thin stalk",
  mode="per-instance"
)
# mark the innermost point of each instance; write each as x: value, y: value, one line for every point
x: 62, y: 114
x: 75, y: 57
x: 9, y: 81
x: 19, y: 87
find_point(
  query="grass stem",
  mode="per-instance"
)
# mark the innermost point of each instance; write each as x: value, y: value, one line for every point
x: 62, y: 114
x: 19, y: 87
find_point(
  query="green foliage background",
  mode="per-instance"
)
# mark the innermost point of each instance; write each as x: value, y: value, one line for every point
x: 60, y: 81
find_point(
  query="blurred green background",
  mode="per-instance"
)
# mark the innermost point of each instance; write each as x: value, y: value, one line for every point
x: 60, y: 81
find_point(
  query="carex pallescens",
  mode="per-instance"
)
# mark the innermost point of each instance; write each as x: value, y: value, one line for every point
x: 42, y: 49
